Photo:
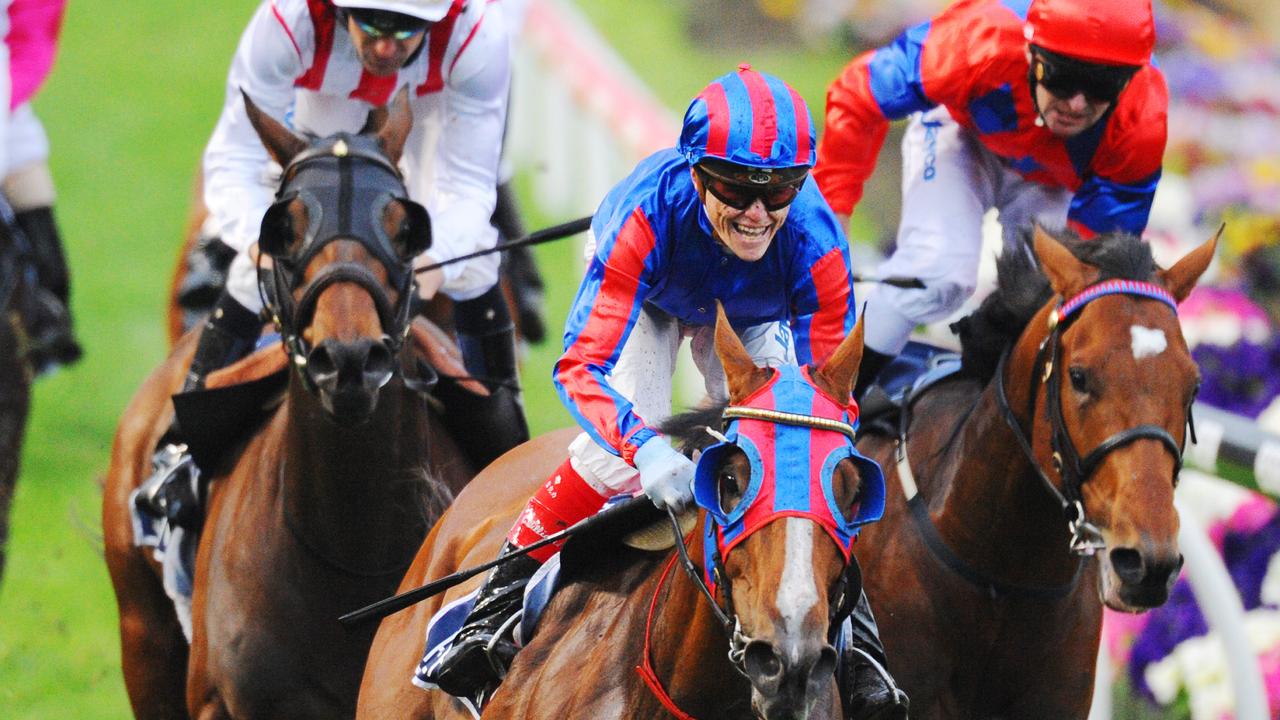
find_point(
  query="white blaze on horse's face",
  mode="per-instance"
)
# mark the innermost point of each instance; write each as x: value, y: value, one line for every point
x: 1147, y: 342
x: 798, y: 588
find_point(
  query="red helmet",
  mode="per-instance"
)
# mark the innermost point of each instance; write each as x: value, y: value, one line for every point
x: 1111, y: 32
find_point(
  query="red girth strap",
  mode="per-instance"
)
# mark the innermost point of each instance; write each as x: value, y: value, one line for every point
x: 645, y: 669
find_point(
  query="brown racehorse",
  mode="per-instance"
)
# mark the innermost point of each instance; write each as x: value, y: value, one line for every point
x: 15, y: 381
x: 984, y: 610
x: 784, y: 582
x: 323, y: 507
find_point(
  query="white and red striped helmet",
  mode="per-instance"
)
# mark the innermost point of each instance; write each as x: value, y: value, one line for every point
x: 427, y: 10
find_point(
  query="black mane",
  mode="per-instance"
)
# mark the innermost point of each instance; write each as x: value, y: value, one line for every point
x: 689, y: 429
x: 1022, y: 290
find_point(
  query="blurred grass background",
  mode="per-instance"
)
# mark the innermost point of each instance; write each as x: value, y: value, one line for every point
x: 133, y: 97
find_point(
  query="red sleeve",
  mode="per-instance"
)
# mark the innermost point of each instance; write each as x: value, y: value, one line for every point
x: 855, y: 130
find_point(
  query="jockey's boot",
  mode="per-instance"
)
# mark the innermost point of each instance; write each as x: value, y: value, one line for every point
x: 230, y: 332
x: 52, y: 338
x: 873, y: 361
x: 206, y: 275
x: 483, y: 649
x: 867, y: 690
x: 520, y: 268
x: 486, y: 427
x: 174, y: 490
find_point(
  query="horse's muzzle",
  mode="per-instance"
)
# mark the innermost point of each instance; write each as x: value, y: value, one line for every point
x: 349, y: 375
x: 1145, y: 579
x: 787, y: 681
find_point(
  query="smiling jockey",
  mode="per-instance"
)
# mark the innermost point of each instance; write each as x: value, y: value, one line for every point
x: 322, y: 67
x: 728, y: 215
x: 1047, y: 111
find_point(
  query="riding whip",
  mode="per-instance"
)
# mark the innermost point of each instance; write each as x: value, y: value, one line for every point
x: 396, y: 603
x: 555, y: 232
x: 573, y: 227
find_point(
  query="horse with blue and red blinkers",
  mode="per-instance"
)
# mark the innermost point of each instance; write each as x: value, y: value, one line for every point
x: 1036, y: 484
x: 743, y: 622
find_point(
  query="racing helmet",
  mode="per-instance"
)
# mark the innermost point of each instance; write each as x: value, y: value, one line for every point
x: 425, y: 10
x: 1106, y: 32
x: 750, y: 126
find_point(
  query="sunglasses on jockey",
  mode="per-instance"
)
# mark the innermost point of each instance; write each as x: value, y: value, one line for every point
x: 1066, y: 77
x: 378, y: 24
x: 776, y: 189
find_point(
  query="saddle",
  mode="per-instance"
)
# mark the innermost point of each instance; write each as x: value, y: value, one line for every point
x: 237, y: 398
x: 918, y: 367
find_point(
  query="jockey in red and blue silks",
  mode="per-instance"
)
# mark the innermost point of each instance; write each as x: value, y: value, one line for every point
x: 728, y: 215
x: 1046, y: 110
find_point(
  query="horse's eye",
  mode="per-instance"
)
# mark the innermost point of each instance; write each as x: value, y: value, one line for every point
x: 730, y: 490
x: 1079, y: 380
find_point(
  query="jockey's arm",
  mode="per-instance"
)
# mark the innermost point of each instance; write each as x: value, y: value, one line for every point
x: 617, y: 281
x: 465, y: 161
x: 272, y: 54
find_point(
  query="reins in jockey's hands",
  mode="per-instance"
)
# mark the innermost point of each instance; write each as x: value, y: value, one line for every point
x: 666, y: 475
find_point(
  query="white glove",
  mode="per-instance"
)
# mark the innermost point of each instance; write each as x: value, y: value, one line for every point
x: 665, y: 475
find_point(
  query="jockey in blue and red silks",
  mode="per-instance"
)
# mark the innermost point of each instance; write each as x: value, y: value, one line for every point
x: 727, y: 215
x: 1045, y: 110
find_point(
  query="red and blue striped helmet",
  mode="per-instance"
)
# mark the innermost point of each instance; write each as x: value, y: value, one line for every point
x: 750, y: 119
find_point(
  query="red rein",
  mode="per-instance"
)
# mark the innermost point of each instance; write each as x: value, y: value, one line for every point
x: 645, y: 669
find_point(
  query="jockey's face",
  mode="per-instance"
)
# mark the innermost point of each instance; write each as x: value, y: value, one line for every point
x: 1072, y: 95
x: 1068, y: 117
x: 747, y: 233
x: 383, y: 54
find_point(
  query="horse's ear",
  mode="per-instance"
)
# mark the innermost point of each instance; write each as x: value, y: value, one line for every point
x: 1065, y: 272
x: 1180, y: 278
x: 282, y: 143
x: 740, y: 370
x: 395, y: 130
x: 839, y: 373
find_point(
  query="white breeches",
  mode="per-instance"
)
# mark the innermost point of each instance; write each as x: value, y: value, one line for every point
x: 949, y: 181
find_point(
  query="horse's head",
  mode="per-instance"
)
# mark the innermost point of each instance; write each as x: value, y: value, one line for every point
x: 1118, y: 383
x: 785, y: 495
x: 342, y: 235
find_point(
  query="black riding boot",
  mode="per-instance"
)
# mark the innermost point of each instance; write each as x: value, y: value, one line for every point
x: 207, y: 266
x: 866, y: 687
x: 482, y: 650
x: 520, y: 267
x: 873, y: 361
x: 486, y: 427
x: 52, y: 336
x: 174, y: 490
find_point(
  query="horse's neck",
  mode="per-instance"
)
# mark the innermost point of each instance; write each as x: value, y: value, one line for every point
x: 689, y: 648
x: 997, y: 513
x: 362, y: 485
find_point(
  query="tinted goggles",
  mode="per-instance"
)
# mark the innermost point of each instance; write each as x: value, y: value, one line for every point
x: 740, y: 197
x: 1065, y: 79
x: 378, y: 25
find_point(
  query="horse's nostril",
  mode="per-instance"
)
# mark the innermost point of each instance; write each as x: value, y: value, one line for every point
x: 380, y: 361
x: 320, y: 362
x: 1128, y: 564
x: 761, y: 662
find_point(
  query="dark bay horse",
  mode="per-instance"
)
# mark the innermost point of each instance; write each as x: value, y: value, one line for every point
x: 15, y: 378
x: 322, y: 508
x: 1064, y: 432
x: 776, y: 591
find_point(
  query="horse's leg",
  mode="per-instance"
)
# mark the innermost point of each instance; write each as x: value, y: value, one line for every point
x: 153, y: 648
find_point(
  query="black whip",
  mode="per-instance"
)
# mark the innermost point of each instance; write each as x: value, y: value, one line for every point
x: 555, y: 232
x: 396, y: 603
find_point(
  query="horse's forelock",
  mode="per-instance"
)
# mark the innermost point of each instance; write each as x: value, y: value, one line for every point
x: 690, y: 429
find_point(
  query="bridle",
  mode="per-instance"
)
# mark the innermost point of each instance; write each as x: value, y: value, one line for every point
x: 1074, y: 470
x: 349, y: 176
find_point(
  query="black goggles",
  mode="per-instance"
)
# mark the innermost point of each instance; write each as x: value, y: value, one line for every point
x: 1066, y: 78
x: 378, y: 24
x: 740, y: 196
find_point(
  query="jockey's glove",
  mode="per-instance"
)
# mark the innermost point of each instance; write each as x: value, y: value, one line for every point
x: 665, y: 474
